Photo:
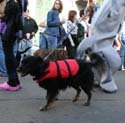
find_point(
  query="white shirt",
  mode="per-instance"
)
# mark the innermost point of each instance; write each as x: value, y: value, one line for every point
x: 71, y: 26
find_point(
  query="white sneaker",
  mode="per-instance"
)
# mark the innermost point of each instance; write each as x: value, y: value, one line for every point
x: 123, y: 68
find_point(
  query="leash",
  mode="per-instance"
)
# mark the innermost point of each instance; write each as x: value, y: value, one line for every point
x: 60, y: 42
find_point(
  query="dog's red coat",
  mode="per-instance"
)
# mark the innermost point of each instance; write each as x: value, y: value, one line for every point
x: 53, y: 72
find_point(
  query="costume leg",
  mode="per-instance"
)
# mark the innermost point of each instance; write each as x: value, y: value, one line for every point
x: 106, y: 24
x: 114, y: 62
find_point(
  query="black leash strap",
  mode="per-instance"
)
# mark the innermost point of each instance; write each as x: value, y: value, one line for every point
x: 69, y: 70
x: 58, y: 70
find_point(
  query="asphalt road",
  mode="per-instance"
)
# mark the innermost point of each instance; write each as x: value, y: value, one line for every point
x: 23, y: 106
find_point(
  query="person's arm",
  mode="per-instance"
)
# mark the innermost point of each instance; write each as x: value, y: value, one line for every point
x: 2, y: 7
x: 119, y: 39
x: 53, y: 19
x: 69, y: 28
x: 42, y: 24
x: 25, y: 5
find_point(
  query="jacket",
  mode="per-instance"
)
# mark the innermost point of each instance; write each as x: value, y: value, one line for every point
x: 12, y: 19
x: 23, y: 7
x: 53, y: 23
x: 30, y: 26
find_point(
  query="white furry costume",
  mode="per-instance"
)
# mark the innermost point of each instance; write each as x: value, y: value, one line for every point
x: 106, y: 24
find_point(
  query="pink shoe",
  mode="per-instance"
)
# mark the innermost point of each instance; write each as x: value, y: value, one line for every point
x: 5, y: 86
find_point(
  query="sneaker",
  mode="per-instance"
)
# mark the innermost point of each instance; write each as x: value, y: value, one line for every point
x: 5, y: 86
x: 122, y: 69
x: 109, y: 87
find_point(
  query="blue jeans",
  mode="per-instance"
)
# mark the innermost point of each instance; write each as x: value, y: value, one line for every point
x: 48, y: 42
x: 122, y: 54
x: 23, y: 45
x: 42, y: 42
x: 2, y: 59
x: 3, y: 69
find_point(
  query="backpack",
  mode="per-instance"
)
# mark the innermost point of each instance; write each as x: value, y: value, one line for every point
x: 80, y: 32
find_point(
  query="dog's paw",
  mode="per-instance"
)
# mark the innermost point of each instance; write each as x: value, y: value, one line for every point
x: 43, y: 108
x: 87, y: 104
x: 74, y: 100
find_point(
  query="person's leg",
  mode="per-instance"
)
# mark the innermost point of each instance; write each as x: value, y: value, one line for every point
x: 113, y: 59
x: 13, y: 83
x: 122, y: 56
x: 29, y: 44
x: 10, y: 63
x: 42, y: 42
x: 110, y: 54
x: 3, y: 70
x: 2, y: 60
x: 52, y: 41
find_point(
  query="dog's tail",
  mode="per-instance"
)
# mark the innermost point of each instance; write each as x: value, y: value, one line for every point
x: 99, y: 65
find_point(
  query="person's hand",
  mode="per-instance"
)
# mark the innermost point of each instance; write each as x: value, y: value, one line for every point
x: 27, y: 35
x: 42, y: 24
x: 63, y: 20
x: 72, y: 44
x: 19, y: 35
x: 33, y: 33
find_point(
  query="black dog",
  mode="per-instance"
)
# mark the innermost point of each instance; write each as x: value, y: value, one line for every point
x: 79, y: 76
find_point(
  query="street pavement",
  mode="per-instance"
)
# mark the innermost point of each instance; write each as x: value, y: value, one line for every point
x: 23, y: 106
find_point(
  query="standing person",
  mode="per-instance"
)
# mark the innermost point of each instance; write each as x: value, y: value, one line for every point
x: 3, y: 70
x: 42, y: 39
x: 53, y: 24
x: 13, y: 25
x: 90, y: 12
x: 106, y: 25
x: 29, y: 29
x: 83, y: 26
x: 72, y: 43
x: 122, y: 48
x: 25, y: 45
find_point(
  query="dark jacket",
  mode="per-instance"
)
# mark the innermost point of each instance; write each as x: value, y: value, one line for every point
x: 23, y: 9
x: 12, y: 19
x: 30, y: 26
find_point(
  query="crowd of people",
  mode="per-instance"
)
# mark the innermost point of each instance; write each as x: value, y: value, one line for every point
x: 17, y: 30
